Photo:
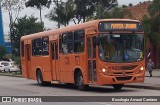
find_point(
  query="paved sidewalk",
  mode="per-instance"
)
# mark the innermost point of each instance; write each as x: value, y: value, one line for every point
x: 155, y: 73
x: 150, y: 82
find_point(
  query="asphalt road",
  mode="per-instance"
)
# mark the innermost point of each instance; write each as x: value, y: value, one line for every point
x: 14, y: 86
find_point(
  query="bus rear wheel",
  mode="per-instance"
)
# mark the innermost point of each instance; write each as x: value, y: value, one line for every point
x: 40, y: 79
x: 117, y: 86
x: 80, y: 83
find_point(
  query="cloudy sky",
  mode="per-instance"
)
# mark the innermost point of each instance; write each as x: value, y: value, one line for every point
x: 50, y: 24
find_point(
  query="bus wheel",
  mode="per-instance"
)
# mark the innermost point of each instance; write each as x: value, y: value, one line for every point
x: 80, y: 84
x: 117, y: 86
x: 40, y: 79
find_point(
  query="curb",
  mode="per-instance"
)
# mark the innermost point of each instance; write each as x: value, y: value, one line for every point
x: 153, y: 76
x: 11, y: 75
x: 143, y: 87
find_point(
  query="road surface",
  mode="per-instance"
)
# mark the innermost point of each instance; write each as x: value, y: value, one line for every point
x: 14, y: 86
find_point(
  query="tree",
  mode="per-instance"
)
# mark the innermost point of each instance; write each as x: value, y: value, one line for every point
x: 62, y: 13
x: 24, y: 26
x: 83, y: 9
x: 130, y: 5
x: 2, y: 52
x: 13, y: 7
x: 38, y: 4
x: 154, y: 11
x: 118, y: 12
x: 102, y: 8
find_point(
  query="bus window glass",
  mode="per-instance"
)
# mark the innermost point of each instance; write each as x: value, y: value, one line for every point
x: 22, y: 48
x: 79, y: 41
x: 45, y: 46
x: 52, y: 48
x: 94, y: 46
x: 67, y: 43
x: 60, y: 45
x: 37, y: 46
x: 121, y: 47
x: 89, y: 47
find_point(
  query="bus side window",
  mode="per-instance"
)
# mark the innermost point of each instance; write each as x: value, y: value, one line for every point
x: 37, y: 46
x: 52, y: 47
x: 45, y: 45
x: 79, y: 41
x: 67, y: 43
x: 22, y: 48
x: 60, y: 45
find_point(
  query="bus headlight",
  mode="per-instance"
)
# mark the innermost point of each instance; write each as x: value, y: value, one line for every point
x: 103, y: 70
x: 142, y: 68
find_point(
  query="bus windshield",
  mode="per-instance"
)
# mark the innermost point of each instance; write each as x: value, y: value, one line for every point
x: 119, y: 48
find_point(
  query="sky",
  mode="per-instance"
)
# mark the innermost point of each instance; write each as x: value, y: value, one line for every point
x: 47, y: 23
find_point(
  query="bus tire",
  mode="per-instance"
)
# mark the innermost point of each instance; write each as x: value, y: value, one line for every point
x: 117, y: 86
x: 80, y: 83
x: 40, y: 79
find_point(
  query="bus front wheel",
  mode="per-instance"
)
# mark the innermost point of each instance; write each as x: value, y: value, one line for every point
x: 40, y: 79
x: 80, y: 82
x: 117, y: 86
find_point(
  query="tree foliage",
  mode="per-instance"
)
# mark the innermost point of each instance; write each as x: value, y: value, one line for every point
x: 62, y: 13
x: 13, y: 7
x: 117, y: 12
x: 38, y: 4
x: 84, y: 9
x: 79, y: 10
x: 152, y: 24
x: 24, y: 26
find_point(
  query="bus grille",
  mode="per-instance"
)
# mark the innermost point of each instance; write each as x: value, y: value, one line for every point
x: 124, y: 67
x: 123, y: 78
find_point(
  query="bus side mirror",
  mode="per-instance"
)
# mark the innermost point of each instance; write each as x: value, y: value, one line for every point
x: 97, y: 40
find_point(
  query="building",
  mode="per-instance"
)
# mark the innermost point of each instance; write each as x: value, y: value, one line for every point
x: 1, y: 30
x: 7, y: 42
x: 137, y: 12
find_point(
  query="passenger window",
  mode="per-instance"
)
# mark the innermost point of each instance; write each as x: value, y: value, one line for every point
x: 45, y: 46
x: 22, y: 48
x: 40, y: 46
x: 79, y: 41
x: 67, y: 43
x: 37, y: 46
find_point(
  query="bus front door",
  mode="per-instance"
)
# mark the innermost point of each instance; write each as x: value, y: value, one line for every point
x: 55, y: 61
x: 28, y: 60
x: 91, y: 47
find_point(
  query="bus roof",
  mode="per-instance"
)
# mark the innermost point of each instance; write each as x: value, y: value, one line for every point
x: 71, y: 28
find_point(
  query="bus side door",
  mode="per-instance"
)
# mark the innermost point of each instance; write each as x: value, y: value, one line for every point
x: 54, y: 60
x: 91, y: 50
x: 28, y: 60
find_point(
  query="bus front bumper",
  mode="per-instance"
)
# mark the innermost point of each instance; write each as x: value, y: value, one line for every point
x: 123, y: 79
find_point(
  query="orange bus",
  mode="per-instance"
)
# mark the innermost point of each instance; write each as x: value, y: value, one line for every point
x: 98, y: 52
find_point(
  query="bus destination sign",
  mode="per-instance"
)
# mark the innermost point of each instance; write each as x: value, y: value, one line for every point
x: 109, y: 26
x: 123, y: 26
